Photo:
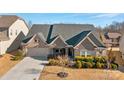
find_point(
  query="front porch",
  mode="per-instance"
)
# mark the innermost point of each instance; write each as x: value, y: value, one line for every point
x: 68, y: 51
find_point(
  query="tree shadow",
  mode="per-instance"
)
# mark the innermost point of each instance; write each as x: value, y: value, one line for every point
x: 121, y: 68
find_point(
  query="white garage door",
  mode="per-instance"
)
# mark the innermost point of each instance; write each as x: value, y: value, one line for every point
x: 38, y: 52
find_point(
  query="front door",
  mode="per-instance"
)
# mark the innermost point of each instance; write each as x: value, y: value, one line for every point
x: 71, y: 52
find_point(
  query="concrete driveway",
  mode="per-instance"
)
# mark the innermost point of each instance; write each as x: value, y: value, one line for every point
x: 28, y: 69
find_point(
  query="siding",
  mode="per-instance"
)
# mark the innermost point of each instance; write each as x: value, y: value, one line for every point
x: 88, y: 45
x: 15, y: 39
x: 59, y: 43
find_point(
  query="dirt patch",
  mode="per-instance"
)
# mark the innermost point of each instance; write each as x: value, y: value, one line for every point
x: 50, y: 73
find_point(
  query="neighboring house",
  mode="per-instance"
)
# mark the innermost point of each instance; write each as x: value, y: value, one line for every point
x: 121, y: 43
x: 111, y: 39
x: 12, y: 30
x: 62, y: 39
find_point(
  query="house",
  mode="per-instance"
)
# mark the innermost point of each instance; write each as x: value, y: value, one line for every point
x: 62, y: 39
x: 114, y: 46
x: 111, y: 39
x: 12, y: 30
x: 121, y: 46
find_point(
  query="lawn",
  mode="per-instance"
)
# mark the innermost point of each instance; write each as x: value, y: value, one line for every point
x: 50, y: 73
x: 6, y: 63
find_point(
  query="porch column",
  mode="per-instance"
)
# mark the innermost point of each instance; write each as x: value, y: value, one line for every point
x: 85, y: 53
x: 66, y: 51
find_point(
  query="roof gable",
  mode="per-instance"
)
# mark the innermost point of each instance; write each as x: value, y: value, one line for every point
x: 78, y: 38
x: 58, y: 41
x: 95, y: 40
x: 39, y: 35
x: 88, y: 45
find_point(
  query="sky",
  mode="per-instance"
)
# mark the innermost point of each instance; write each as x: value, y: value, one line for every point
x: 98, y: 19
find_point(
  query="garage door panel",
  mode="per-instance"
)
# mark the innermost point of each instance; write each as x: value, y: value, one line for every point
x: 41, y: 52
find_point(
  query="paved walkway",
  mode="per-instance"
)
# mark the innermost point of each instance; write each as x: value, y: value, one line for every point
x: 27, y: 69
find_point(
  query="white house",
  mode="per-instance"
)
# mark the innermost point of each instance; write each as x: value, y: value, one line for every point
x: 12, y: 30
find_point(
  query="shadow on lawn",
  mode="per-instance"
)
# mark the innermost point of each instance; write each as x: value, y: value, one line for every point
x: 121, y: 68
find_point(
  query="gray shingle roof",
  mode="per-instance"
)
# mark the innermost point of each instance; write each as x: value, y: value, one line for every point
x: 76, y: 39
x: 7, y: 20
x: 69, y: 30
x: 36, y: 28
x: 40, y: 35
x: 71, y: 33
x: 95, y: 40
x: 27, y: 39
x: 51, y: 39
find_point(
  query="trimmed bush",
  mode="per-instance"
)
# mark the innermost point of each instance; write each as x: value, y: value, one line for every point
x: 99, y: 59
x: 87, y: 65
x: 95, y: 62
x: 98, y: 65
x: 114, y: 66
x: 104, y: 65
x: 78, y: 64
x: 86, y: 59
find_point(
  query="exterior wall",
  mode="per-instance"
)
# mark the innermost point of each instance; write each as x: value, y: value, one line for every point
x: 84, y: 52
x: 18, y: 26
x: 3, y: 46
x: 59, y: 43
x: 13, y: 32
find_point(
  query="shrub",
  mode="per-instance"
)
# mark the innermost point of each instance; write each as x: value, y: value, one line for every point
x: 86, y: 59
x: 87, y: 65
x: 78, y: 64
x: 98, y: 65
x: 114, y: 66
x: 52, y: 62
x: 99, y: 59
x: 60, y: 61
x: 103, y: 65
x: 18, y: 56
